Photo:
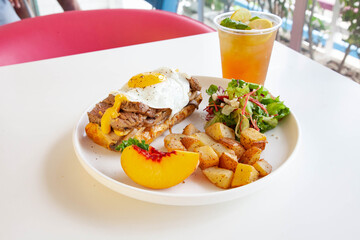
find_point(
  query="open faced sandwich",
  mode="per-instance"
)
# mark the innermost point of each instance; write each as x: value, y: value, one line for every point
x: 145, y: 107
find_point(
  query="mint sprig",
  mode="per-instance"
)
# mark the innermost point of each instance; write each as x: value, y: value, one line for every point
x: 254, y: 18
x: 229, y: 23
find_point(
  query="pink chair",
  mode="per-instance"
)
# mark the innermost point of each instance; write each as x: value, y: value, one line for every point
x: 85, y: 31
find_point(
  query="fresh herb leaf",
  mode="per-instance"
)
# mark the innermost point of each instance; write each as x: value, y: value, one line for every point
x: 254, y: 18
x: 253, y: 86
x: 275, y: 108
x: 267, y: 100
x: 212, y: 89
x: 229, y: 23
x: 132, y: 141
x: 266, y: 123
x: 237, y: 88
x: 233, y: 84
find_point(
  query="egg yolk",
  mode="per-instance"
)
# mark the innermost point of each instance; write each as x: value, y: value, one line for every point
x: 146, y: 79
x: 121, y: 132
x: 110, y: 113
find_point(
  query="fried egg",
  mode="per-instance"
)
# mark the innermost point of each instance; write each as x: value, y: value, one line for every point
x: 161, y: 88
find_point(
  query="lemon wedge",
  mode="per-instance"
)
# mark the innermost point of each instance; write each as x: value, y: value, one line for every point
x: 260, y: 24
x: 242, y: 15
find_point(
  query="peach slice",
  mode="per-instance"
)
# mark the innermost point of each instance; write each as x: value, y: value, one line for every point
x: 158, y: 170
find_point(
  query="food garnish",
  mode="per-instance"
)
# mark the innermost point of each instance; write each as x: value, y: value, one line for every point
x: 228, y: 22
x: 241, y: 19
x: 132, y: 141
x: 242, y: 105
x: 260, y: 24
x: 242, y: 15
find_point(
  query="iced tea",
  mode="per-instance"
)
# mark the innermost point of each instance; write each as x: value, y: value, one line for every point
x: 245, y: 54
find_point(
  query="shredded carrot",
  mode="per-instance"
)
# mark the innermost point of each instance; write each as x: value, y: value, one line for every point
x: 253, y: 122
x: 259, y: 104
x: 246, y: 101
x: 215, y: 107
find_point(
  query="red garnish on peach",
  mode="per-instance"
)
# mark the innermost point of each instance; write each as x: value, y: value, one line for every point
x: 156, y: 169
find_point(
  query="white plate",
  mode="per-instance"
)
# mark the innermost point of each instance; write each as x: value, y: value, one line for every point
x: 105, y: 167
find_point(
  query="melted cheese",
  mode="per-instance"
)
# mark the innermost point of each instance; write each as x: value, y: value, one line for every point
x: 110, y: 113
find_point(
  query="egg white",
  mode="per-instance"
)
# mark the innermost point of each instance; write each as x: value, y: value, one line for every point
x: 171, y: 93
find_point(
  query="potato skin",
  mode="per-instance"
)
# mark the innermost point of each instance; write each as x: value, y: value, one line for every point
x: 260, y: 144
x: 220, y: 177
x: 191, y: 143
x: 219, y: 130
x: 190, y: 129
x: 228, y: 161
x: 204, y: 138
x: 233, y: 145
x: 173, y: 142
x: 219, y: 149
x: 263, y: 167
x: 244, y: 174
x: 251, y: 155
x: 208, y: 157
x: 250, y: 137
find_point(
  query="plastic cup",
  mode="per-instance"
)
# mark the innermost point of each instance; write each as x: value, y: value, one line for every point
x: 245, y: 54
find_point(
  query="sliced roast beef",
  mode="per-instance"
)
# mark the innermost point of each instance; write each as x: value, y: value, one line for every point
x: 109, y: 100
x: 160, y: 117
x: 97, y: 112
x: 137, y: 107
x: 142, y: 115
x: 127, y: 120
x: 100, y: 108
x: 194, y: 84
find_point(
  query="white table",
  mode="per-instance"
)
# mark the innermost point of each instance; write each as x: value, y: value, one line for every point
x: 46, y: 194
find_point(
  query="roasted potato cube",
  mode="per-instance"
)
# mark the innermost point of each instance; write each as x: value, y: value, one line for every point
x: 208, y: 157
x: 263, y: 167
x: 191, y: 143
x: 244, y: 174
x: 219, y: 130
x: 251, y: 155
x: 219, y: 149
x: 250, y: 137
x: 190, y: 129
x: 260, y: 144
x: 219, y: 176
x: 233, y: 145
x: 204, y: 138
x: 228, y: 161
x: 173, y: 142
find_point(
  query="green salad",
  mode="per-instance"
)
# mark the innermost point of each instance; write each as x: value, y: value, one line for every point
x: 242, y: 105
